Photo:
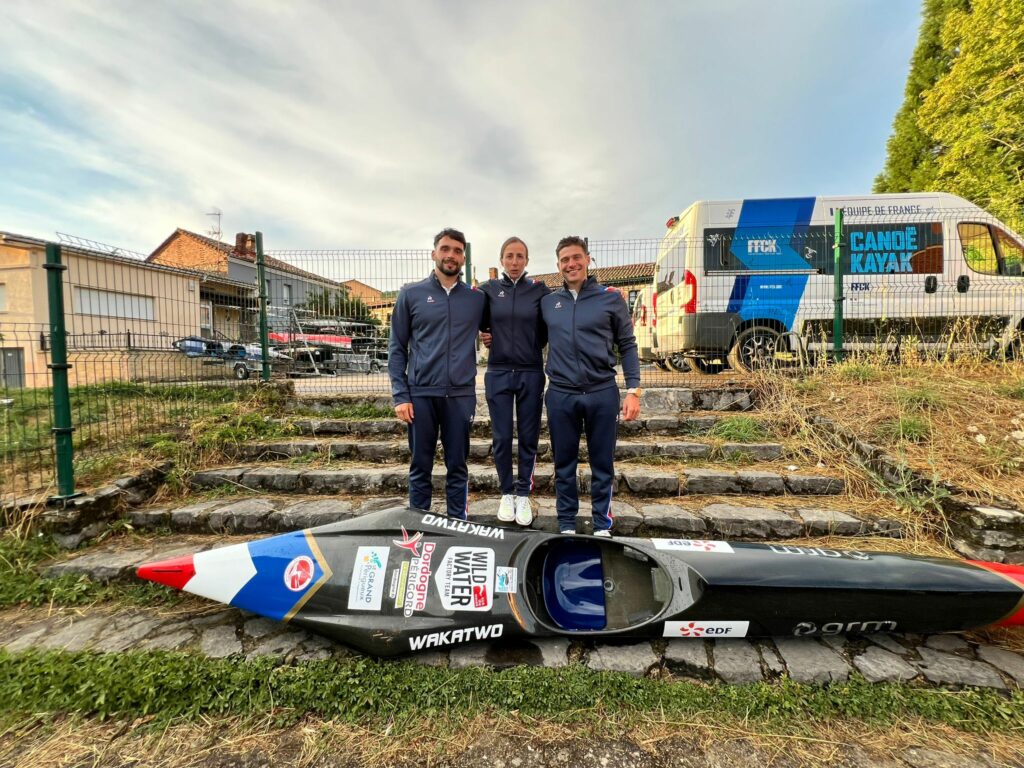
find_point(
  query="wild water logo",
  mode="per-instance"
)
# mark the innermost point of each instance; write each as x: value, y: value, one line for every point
x: 465, y: 579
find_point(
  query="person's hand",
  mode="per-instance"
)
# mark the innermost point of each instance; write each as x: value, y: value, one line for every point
x: 485, y: 337
x: 403, y: 411
x: 630, y: 408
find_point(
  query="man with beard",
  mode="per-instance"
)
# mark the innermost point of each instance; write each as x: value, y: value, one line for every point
x: 585, y: 322
x: 432, y: 365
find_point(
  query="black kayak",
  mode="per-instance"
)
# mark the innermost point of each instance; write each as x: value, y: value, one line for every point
x: 404, y: 580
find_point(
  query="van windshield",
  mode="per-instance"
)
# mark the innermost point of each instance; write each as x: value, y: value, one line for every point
x: 1012, y: 253
x: 671, y: 264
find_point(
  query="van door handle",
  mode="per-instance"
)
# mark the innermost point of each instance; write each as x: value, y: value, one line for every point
x: 963, y: 283
x: 931, y: 284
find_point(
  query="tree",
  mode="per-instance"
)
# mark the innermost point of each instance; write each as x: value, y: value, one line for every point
x: 910, y: 164
x: 975, y: 111
x: 337, y: 304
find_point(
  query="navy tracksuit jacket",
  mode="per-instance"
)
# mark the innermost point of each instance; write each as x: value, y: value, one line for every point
x: 432, y: 364
x: 582, y: 393
x: 515, y: 374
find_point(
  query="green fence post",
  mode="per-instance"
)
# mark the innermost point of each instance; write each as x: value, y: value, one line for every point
x: 58, y: 364
x: 837, y: 317
x: 469, y: 264
x: 261, y: 276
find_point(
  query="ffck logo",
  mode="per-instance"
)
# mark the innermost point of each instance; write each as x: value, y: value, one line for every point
x: 410, y: 543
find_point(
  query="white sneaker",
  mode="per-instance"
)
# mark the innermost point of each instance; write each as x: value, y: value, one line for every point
x: 568, y: 531
x: 605, y: 534
x: 524, y: 512
x: 507, y: 508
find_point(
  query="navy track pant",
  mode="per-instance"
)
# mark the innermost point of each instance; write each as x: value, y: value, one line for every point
x: 524, y: 391
x: 570, y: 415
x: 453, y: 418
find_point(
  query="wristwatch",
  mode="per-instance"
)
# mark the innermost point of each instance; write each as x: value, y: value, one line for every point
x: 634, y: 391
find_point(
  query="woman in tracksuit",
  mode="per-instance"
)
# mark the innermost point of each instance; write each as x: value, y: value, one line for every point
x: 515, y: 375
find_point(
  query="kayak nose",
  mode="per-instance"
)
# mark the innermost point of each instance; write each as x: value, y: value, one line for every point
x: 174, y: 573
x: 1015, y: 574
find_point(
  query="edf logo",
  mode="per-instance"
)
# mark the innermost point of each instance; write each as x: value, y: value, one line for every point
x: 762, y: 246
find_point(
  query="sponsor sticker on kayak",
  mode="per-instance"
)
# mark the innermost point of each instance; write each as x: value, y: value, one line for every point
x: 417, y: 586
x: 399, y: 579
x: 465, y: 579
x: 299, y: 573
x: 506, y: 580
x: 463, y: 526
x: 366, y: 588
x: 698, y: 628
x: 693, y: 545
x: 452, y: 636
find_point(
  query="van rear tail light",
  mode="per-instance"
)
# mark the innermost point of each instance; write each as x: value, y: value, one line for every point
x: 654, y: 310
x: 643, y: 314
x: 689, y: 294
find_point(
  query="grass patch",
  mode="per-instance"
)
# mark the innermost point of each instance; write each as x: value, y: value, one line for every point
x: 739, y: 429
x: 919, y: 399
x: 359, y: 412
x: 402, y: 695
x: 21, y: 583
x: 856, y: 371
x: 910, y: 429
x: 1013, y: 391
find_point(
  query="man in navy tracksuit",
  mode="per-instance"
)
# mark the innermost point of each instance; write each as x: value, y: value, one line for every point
x: 515, y: 375
x: 432, y: 365
x: 585, y: 322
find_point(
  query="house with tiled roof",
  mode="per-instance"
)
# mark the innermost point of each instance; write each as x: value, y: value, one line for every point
x: 288, y: 286
x: 630, y: 279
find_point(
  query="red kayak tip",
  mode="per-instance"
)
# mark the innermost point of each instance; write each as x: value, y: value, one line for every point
x: 172, y: 573
x: 1014, y: 573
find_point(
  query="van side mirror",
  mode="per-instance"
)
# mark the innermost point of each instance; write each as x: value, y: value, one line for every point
x: 931, y: 284
x: 963, y: 283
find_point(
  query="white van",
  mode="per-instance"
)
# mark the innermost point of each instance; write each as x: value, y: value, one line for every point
x: 643, y: 323
x: 753, y: 280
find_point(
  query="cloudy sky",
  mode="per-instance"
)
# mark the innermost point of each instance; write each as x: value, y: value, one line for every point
x: 372, y: 125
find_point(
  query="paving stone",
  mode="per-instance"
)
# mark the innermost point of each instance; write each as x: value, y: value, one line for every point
x: 626, y: 518
x: 771, y: 660
x: 711, y: 482
x: 827, y: 522
x: 431, y: 658
x: 260, y: 627
x: 888, y: 642
x: 310, y: 514
x: 648, y: 482
x: 636, y: 660
x: 688, y: 658
x: 1007, y: 661
x: 808, y: 661
x: 28, y: 638
x: 144, y: 519
x: 283, y: 479
x: 625, y: 451
x: 736, y: 661
x: 482, y: 478
x: 975, y: 552
x: 386, y: 502
x: 194, y: 516
x: 669, y: 517
x: 919, y: 757
x: 994, y: 518
x: 171, y: 641
x: 283, y: 644
x: 479, y: 450
x: 466, y: 656
x: 74, y: 635
x: 749, y: 522
x: 554, y: 652
x: 813, y: 485
x: 219, y: 642
x: 103, y: 566
x: 946, y: 668
x: 947, y: 643
x: 879, y: 665
x: 835, y: 642
x: 683, y: 450
x: 247, y: 515
x: 656, y: 424
x: 751, y: 451
x: 584, y: 480
x: 765, y: 483
x: 213, y: 478
x: 122, y: 636
x: 543, y: 478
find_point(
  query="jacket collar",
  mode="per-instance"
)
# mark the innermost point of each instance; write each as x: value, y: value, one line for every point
x: 587, y: 286
x: 506, y: 280
x: 433, y: 276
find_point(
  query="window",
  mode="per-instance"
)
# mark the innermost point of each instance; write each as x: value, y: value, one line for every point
x: 979, y: 250
x: 91, y: 301
x: 1010, y: 250
x: 3, y: 297
x: 633, y: 293
x: 287, y: 289
x: 206, y: 319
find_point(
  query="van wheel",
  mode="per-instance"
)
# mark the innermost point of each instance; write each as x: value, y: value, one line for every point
x: 241, y: 372
x: 662, y: 364
x: 754, y: 349
x: 707, y: 367
x: 676, y: 362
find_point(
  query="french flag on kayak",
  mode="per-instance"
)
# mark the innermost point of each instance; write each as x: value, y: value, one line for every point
x: 273, y: 577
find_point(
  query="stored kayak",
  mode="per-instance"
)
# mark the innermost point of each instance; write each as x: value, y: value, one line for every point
x: 404, y: 580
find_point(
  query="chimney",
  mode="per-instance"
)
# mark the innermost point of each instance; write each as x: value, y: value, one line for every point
x: 492, y: 273
x: 245, y: 245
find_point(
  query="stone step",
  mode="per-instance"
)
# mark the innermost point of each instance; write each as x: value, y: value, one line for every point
x: 263, y: 514
x: 936, y: 660
x: 638, y: 480
x: 480, y: 450
x: 650, y: 424
x: 729, y: 397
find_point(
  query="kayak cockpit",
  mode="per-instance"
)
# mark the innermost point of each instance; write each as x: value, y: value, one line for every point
x: 586, y: 585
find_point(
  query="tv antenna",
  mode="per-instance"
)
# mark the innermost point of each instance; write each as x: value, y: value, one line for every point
x: 214, y: 231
